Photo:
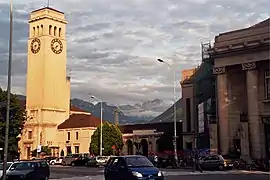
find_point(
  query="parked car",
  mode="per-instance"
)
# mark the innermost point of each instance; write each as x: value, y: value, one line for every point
x: 48, y: 159
x: 28, y: 170
x: 56, y: 161
x: 134, y: 167
x: 7, y: 168
x: 80, y: 161
x: 69, y: 159
x: 216, y: 162
x: 102, y: 160
x: 92, y: 162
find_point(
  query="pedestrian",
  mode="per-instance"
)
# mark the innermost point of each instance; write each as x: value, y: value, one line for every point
x: 196, y: 161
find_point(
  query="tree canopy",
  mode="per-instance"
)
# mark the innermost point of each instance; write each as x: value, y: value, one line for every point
x: 45, y: 150
x: 17, y: 119
x: 112, y: 140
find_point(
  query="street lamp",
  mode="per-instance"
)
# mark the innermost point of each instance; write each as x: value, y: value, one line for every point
x: 174, y: 111
x: 101, y: 123
x: 8, y: 90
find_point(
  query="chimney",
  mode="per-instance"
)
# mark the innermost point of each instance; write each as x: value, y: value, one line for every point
x: 116, y: 117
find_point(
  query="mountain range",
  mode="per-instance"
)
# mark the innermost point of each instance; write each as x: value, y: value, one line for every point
x: 137, y: 113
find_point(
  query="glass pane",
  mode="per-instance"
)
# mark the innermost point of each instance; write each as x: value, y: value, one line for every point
x: 268, y: 87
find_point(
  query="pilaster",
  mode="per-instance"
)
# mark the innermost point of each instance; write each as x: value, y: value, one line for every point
x: 223, y: 111
x: 253, y: 108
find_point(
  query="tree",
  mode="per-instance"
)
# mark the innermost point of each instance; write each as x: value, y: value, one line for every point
x: 17, y: 120
x: 45, y: 150
x: 112, y: 140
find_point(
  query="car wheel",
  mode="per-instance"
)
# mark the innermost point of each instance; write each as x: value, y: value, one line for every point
x: 46, y: 178
x: 86, y: 164
x: 73, y: 164
x: 221, y: 167
x: 64, y: 163
x: 53, y: 163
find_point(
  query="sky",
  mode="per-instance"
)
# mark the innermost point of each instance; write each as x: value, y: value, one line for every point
x: 113, y: 44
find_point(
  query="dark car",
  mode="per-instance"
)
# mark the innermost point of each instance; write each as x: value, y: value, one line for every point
x: 131, y: 168
x: 80, y: 161
x: 29, y: 170
x: 92, y: 162
x: 215, y: 162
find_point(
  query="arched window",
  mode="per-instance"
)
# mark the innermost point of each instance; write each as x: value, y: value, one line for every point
x: 38, y: 30
x: 54, y: 32
x: 50, y: 29
x: 34, y: 31
x: 60, y: 31
x: 41, y: 29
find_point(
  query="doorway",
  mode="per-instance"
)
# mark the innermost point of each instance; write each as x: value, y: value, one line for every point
x: 28, y: 152
x: 189, y: 145
x: 144, y: 145
x: 69, y: 150
x: 267, y: 139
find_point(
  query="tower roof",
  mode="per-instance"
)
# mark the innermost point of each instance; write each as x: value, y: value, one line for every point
x: 52, y: 9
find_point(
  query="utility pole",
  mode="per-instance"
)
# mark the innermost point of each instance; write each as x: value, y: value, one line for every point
x: 8, y: 92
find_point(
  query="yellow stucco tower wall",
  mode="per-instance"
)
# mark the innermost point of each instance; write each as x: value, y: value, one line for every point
x: 47, y: 87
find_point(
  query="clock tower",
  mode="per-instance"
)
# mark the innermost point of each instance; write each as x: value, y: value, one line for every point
x: 47, y: 86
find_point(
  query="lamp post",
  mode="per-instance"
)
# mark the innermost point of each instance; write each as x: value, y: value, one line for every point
x: 8, y: 91
x: 101, y: 123
x: 174, y: 108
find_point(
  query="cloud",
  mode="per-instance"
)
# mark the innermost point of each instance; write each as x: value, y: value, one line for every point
x: 113, y: 44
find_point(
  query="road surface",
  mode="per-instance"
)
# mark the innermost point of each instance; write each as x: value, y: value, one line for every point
x: 84, y: 173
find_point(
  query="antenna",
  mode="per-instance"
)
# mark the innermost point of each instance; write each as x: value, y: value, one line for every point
x: 48, y: 3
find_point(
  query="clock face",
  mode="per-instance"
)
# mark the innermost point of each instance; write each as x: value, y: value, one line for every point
x: 35, y: 45
x: 56, y: 46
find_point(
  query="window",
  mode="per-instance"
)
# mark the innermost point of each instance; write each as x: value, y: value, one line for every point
x: 38, y: 30
x: 60, y: 31
x: 138, y: 162
x: 30, y: 135
x: 50, y: 29
x: 34, y: 31
x: 54, y: 31
x: 41, y: 29
x: 267, y: 85
x: 77, y: 135
x: 188, y: 115
x: 68, y: 136
x: 77, y: 149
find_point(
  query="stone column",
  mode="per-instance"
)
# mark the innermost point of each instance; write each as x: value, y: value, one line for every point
x: 222, y: 112
x: 253, y: 108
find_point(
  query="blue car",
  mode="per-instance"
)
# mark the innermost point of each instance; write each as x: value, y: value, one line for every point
x: 132, y: 167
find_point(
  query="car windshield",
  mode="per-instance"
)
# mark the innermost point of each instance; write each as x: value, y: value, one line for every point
x: 1, y: 166
x: 138, y: 162
x: 23, y: 166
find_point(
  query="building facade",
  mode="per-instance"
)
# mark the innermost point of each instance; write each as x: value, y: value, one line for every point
x: 241, y: 66
x: 74, y: 134
x: 198, y: 94
x: 151, y: 138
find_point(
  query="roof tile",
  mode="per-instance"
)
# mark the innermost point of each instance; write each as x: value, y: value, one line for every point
x: 80, y: 121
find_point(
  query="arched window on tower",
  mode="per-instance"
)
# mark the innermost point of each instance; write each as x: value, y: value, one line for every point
x: 41, y: 27
x: 60, y: 31
x: 50, y: 29
x: 34, y: 31
x: 38, y: 31
x: 54, y: 32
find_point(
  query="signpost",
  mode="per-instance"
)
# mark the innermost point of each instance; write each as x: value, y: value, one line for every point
x: 38, y: 149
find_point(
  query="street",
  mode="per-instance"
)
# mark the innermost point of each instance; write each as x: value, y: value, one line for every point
x: 87, y: 173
